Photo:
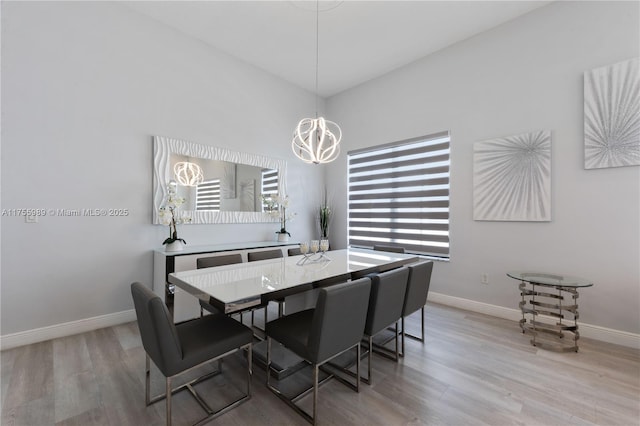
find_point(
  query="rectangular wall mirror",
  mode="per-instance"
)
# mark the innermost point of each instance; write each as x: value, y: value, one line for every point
x: 231, y: 187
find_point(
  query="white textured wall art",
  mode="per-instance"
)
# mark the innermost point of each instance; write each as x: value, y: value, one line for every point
x: 228, y: 182
x: 512, y: 178
x: 248, y: 195
x: 612, y: 115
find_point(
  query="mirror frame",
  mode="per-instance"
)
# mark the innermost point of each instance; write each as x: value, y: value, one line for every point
x: 163, y: 147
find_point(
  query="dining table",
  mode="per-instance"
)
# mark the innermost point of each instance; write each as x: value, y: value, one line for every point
x: 244, y: 286
x: 241, y: 287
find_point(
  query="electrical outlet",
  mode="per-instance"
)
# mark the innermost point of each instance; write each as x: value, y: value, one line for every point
x: 484, y: 278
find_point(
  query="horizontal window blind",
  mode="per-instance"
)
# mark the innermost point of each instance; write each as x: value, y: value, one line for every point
x: 269, y: 181
x: 208, y: 195
x: 399, y: 195
x: 269, y: 184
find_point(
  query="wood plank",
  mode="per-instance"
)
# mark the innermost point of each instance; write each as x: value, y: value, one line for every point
x: 75, y: 384
x: 31, y: 377
x: 472, y: 369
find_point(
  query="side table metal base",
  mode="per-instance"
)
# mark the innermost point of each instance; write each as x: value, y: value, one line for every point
x: 540, y: 306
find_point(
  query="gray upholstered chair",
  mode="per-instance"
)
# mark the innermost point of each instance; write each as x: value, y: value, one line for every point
x: 385, y: 307
x: 318, y: 335
x: 393, y: 249
x: 176, y: 349
x: 294, y: 251
x: 264, y: 254
x: 416, y: 296
x: 211, y: 262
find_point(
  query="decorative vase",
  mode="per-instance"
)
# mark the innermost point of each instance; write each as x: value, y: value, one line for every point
x: 283, y: 237
x: 174, y: 246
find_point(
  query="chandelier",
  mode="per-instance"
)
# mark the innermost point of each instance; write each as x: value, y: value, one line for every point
x: 188, y: 174
x: 316, y: 140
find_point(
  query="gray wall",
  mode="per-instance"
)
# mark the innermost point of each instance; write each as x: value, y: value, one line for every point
x: 523, y: 76
x: 84, y: 86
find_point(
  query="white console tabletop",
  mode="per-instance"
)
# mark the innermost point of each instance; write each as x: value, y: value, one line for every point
x: 215, y: 248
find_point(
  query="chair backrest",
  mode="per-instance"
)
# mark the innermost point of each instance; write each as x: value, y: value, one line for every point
x: 157, y: 331
x: 339, y: 318
x: 393, y: 249
x: 294, y: 251
x: 417, y: 286
x: 210, y: 262
x: 266, y: 254
x: 386, y: 299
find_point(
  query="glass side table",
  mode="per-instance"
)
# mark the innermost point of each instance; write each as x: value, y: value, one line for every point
x: 549, y: 309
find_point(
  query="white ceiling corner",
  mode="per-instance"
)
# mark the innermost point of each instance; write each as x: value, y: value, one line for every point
x: 358, y: 40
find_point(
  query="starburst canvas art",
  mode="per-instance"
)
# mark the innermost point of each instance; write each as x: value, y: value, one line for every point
x: 612, y: 115
x: 512, y: 178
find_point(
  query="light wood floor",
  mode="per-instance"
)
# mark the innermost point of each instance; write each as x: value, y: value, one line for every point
x: 472, y: 370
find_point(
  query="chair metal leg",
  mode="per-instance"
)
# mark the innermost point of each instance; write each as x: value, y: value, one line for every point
x: 291, y: 401
x: 358, y: 368
x: 189, y: 386
x: 249, y: 369
x: 422, y: 322
x: 168, y: 401
x: 396, y: 339
x: 357, y: 375
x: 402, y: 337
x: 268, y: 360
x: 421, y: 338
x: 382, y: 350
x: 147, y: 381
x: 315, y: 393
x: 266, y: 316
x: 368, y: 381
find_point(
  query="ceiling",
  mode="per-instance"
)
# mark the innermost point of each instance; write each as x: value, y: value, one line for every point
x: 357, y: 40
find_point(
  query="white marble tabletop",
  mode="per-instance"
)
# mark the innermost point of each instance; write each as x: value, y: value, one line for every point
x: 243, y: 285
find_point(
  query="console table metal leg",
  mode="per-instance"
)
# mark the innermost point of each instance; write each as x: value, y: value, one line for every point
x: 560, y: 333
x: 533, y: 317
x: 576, y: 335
x: 523, y: 322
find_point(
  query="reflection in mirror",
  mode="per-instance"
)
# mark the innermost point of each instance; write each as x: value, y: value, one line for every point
x: 232, y: 183
x: 226, y: 186
x: 187, y: 173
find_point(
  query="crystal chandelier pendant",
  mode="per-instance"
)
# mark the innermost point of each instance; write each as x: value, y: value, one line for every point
x: 188, y: 174
x: 316, y: 141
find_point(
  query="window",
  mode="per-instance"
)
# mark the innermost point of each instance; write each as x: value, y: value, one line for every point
x: 208, y: 195
x: 399, y: 195
x: 269, y: 185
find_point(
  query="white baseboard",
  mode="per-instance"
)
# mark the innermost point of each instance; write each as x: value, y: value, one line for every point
x: 608, y: 335
x: 65, y: 329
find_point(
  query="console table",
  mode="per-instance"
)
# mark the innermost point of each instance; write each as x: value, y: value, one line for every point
x: 547, y: 300
x: 183, y: 306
